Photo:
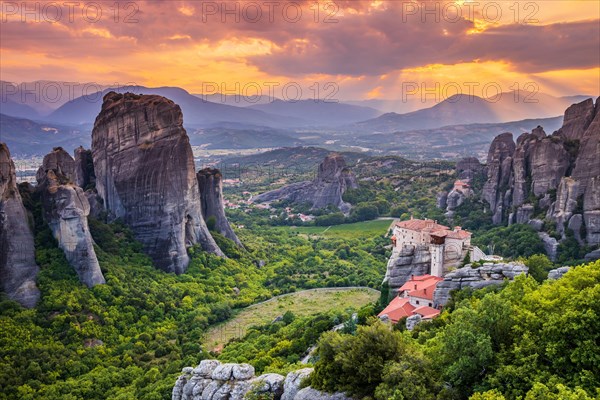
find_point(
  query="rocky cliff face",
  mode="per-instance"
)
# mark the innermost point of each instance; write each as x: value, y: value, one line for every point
x: 145, y: 175
x: 409, y: 261
x: 66, y: 210
x: 84, y: 168
x: 557, y: 174
x: 468, y: 170
x: 211, y: 380
x: 476, y: 278
x: 18, y: 270
x: 499, y: 163
x: 332, y: 181
x: 211, y: 196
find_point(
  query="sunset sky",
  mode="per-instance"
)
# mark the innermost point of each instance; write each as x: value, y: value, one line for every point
x: 368, y: 49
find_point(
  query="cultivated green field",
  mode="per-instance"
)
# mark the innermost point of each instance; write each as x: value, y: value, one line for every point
x: 303, y: 303
x: 355, y: 230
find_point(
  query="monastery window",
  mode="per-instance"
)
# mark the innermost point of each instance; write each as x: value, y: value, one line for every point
x: 417, y: 301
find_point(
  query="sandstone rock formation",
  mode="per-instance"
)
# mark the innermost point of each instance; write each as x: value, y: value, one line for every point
x: 211, y: 197
x: 558, y: 272
x: 476, y: 278
x: 293, y: 380
x: 309, y: 393
x: 499, y: 163
x: 411, y: 260
x: 558, y: 175
x: 212, y: 380
x: 592, y: 255
x: 18, y: 270
x: 84, y: 168
x: 85, y: 178
x: 332, y: 180
x: 145, y: 175
x: 65, y: 210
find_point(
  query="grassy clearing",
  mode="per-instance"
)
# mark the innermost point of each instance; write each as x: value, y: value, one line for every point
x: 306, y: 302
x: 355, y: 230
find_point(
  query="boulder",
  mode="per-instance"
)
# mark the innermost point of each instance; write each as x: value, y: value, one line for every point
x: 575, y: 224
x: 593, y: 255
x: 270, y: 383
x: 413, y: 321
x: 223, y: 372
x: 177, y: 392
x: 536, y: 224
x: 309, y: 393
x: 550, y: 245
x: 206, y: 368
x: 292, y: 382
x: 18, y: 270
x: 242, y: 372
x: 145, y: 175
x: 524, y: 213
x: 558, y: 272
x: 476, y: 278
x: 66, y: 209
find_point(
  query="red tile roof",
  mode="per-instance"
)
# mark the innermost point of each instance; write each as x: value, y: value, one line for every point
x: 458, y: 234
x: 421, y: 286
x: 397, y: 309
x: 426, y: 225
x: 426, y: 312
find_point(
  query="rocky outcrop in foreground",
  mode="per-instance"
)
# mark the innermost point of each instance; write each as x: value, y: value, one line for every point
x: 18, y: 270
x: 557, y: 174
x: 330, y: 184
x: 212, y: 380
x: 145, y: 175
x: 66, y: 209
x: 211, y: 196
x: 476, y: 278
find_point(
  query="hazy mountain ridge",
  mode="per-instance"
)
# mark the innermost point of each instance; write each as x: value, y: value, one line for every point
x: 27, y: 137
x: 196, y: 111
x: 319, y: 112
x: 464, y: 109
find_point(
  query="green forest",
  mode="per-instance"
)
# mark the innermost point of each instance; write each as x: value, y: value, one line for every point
x: 525, y: 340
x: 129, y: 339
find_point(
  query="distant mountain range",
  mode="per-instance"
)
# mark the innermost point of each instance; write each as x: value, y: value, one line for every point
x: 464, y: 109
x: 58, y: 106
x: 43, y: 96
x: 196, y: 112
x: 320, y: 113
x: 447, y: 142
x: 26, y: 137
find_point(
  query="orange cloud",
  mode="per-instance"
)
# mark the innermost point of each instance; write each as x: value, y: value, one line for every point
x: 367, y: 48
